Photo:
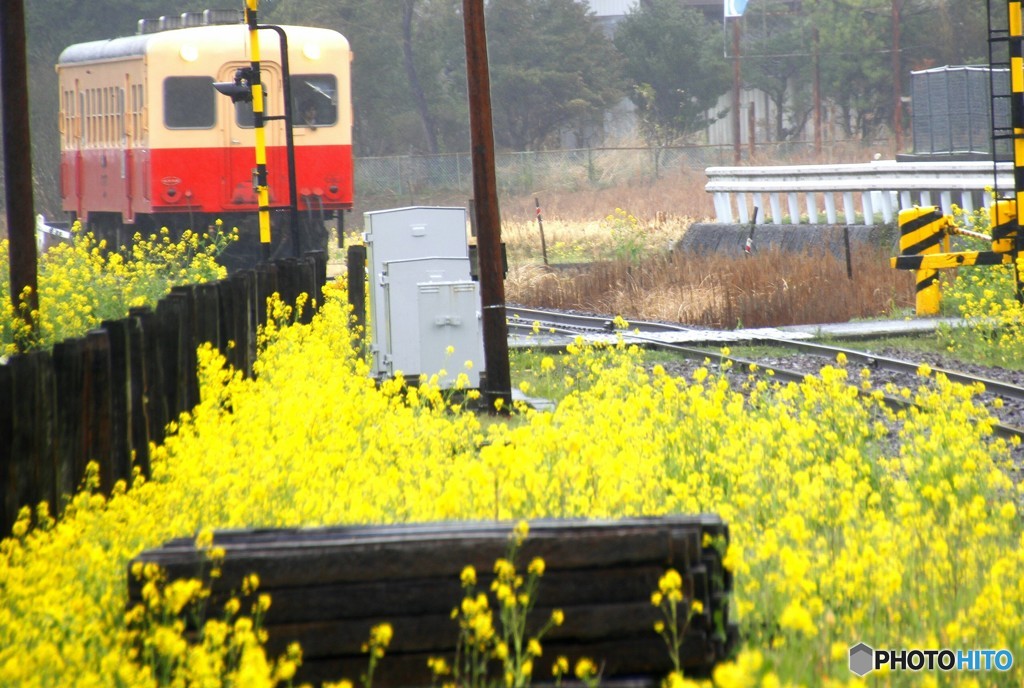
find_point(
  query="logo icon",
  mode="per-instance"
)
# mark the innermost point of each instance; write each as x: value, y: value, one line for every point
x: 861, y: 659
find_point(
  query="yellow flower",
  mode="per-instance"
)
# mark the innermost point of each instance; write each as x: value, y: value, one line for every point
x: 585, y: 669
x: 521, y: 531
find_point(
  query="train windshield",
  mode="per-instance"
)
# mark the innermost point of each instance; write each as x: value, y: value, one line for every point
x: 314, y: 102
x: 189, y: 102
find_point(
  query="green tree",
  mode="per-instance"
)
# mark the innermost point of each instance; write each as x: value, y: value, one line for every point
x: 437, y: 60
x: 856, y: 61
x: 674, y: 65
x: 777, y: 59
x: 384, y: 116
x: 551, y: 67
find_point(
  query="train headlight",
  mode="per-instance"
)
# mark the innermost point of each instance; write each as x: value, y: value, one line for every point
x: 189, y: 52
x: 311, y: 51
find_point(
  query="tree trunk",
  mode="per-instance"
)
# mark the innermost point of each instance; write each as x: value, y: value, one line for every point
x: 414, y: 82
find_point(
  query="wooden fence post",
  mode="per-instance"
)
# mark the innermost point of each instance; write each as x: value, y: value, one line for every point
x: 122, y: 412
x: 156, y: 385
x: 139, y: 400
x: 308, y: 284
x: 226, y: 313
x: 96, y: 409
x: 319, y: 263
x: 243, y: 288
x: 288, y: 280
x: 266, y: 285
x: 69, y: 374
x: 45, y: 431
x: 188, y: 342
x: 207, y: 308
x: 8, y: 496
x: 31, y: 471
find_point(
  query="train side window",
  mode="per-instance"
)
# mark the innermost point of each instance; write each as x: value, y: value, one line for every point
x: 121, y: 128
x: 244, y: 116
x: 189, y: 102
x: 83, y: 110
x: 137, y: 113
x: 315, y: 100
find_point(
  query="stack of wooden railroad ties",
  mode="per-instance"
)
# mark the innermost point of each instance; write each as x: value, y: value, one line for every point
x: 330, y: 586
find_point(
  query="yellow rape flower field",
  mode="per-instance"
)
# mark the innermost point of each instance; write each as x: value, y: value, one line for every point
x: 83, y: 283
x: 848, y: 523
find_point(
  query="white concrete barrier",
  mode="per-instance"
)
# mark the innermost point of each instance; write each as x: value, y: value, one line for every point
x: 875, y: 191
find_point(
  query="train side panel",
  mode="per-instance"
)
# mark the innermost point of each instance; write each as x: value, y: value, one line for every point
x: 102, y: 136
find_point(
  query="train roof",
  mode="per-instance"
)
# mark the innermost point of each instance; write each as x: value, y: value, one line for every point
x: 140, y: 44
x: 113, y: 48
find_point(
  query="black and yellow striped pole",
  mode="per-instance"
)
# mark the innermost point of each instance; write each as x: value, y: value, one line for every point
x: 1016, y: 32
x: 921, y: 234
x: 1003, y: 223
x: 262, y: 193
x: 922, y: 231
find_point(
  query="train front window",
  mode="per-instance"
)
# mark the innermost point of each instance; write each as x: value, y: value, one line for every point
x: 315, y: 100
x: 189, y: 102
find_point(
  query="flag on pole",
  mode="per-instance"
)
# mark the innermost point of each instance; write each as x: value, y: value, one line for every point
x: 734, y: 8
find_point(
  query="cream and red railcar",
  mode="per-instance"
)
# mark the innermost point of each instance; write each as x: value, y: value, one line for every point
x: 148, y: 142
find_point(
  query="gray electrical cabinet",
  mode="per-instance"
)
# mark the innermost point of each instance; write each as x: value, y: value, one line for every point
x: 425, y: 313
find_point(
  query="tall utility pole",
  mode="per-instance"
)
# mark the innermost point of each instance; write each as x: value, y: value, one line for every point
x: 897, y: 99
x: 817, y: 93
x: 21, y: 223
x: 736, y: 143
x: 488, y: 219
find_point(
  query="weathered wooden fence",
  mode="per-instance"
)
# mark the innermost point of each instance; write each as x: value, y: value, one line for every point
x: 329, y: 586
x: 105, y: 396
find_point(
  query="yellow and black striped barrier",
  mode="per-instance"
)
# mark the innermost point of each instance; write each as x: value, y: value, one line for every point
x: 923, y: 231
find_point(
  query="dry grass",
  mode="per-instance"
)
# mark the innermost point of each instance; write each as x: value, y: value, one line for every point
x: 770, y: 288
x: 678, y: 194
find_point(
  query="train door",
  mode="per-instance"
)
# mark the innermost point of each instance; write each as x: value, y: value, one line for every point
x: 240, y: 141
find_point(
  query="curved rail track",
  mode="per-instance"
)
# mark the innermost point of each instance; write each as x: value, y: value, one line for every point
x: 884, y: 369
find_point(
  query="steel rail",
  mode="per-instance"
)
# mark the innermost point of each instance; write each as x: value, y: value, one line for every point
x: 594, y: 321
x: 863, y: 358
x: 897, y: 366
x: 562, y: 323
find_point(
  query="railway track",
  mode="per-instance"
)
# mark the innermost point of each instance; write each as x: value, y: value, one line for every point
x: 807, y: 359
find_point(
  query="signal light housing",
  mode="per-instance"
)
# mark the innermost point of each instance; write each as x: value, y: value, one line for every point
x: 239, y: 90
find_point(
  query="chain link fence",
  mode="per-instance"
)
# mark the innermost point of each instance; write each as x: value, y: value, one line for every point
x: 528, y: 172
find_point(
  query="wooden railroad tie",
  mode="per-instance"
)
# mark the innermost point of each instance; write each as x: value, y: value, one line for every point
x: 329, y: 586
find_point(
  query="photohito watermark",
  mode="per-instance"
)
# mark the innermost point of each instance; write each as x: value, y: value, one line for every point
x: 864, y: 659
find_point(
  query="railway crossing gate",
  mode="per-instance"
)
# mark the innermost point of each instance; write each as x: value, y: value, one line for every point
x: 925, y: 231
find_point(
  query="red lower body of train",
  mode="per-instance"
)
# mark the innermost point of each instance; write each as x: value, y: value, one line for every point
x: 118, y: 192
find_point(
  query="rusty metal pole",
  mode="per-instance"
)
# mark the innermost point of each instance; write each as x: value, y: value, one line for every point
x: 897, y: 99
x: 817, y: 94
x: 736, y: 143
x: 21, y: 223
x: 488, y: 220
